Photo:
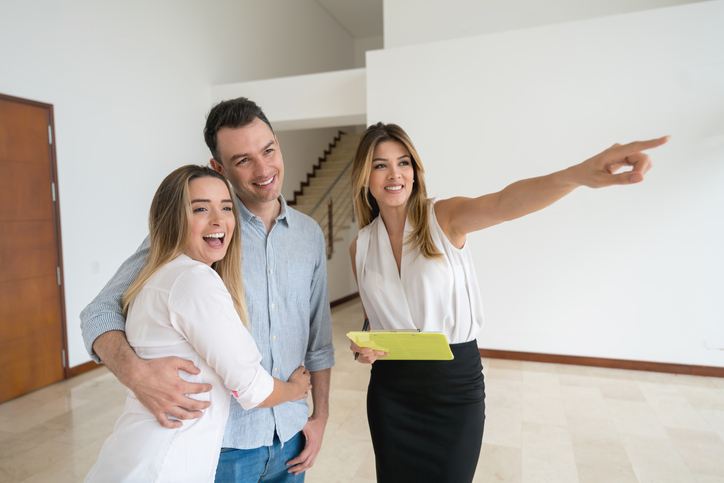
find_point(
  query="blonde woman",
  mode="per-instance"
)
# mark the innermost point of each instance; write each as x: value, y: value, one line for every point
x: 415, y: 271
x: 188, y: 301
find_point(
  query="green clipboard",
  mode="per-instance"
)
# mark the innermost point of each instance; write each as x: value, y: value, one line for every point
x: 405, y: 345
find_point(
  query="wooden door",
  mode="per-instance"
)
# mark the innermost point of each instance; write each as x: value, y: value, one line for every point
x: 32, y: 319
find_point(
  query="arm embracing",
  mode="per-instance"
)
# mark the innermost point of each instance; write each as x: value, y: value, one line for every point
x: 203, y: 313
x: 156, y: 383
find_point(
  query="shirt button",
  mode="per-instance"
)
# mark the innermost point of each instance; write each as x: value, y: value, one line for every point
x: 274, y: 337
x: 272, y: 305
x: 276, y: 369
x: 271, y: 271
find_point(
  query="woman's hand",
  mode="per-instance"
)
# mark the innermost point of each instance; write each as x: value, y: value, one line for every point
x: 599, y: 171
x: 300, y: 379
x: 366, y: 355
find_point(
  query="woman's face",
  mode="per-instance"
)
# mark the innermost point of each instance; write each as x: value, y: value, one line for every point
x: 213, y: 221
x: 392, y: 175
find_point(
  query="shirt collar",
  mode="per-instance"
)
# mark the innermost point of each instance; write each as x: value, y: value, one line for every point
x: 247, y: 216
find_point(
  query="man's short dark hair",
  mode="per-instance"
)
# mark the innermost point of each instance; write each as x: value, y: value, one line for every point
x: 233, y: 113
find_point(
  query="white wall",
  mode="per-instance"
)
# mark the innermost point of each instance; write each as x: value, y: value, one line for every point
x: 274, y: 38
x: 626, y: 272
x: 410, y: 22
x: 361, y: 46
x: 327, y: 99
x: 339, y: 267
x: 130, y: 83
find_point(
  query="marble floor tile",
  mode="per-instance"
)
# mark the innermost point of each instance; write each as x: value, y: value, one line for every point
x: 702, y: 451
x: 547, y: 454
x: 22, y: 465
x: 708, y: 479
x: 573, y: 370
x: 584, y: 401
x: 655, y: 459
x: 355, y: 427
x: 504, y: 393
x: 714, y: 418
x: 676, y: 412
x: 503, y: 426
x: 635, y: 418
x: 599, y: 451
x: 578, y: 380
x: 717, y: 381
x: 530, y: 366
x: 499, y: 464
x: 343, y: 402
x: 506, y: 364
x: 624, y: 390
x: 341, y: 464
x: 541, y: 382
x: 367, y: 468
x: 504, y: 373
x: 704, y: 397
x: 543, y: 408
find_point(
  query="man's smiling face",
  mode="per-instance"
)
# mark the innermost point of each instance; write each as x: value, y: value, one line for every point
x: 252, y: 162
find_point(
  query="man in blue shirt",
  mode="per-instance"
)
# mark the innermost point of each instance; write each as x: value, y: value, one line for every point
x: 285, y: 279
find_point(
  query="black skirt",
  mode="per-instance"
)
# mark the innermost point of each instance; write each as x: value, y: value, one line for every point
x: 427, y: 417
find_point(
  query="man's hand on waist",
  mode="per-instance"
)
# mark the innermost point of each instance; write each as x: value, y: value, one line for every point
x: 156, y: 383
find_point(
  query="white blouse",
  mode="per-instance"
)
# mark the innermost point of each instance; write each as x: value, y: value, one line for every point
x: 183, y: 310
x: 433, y: 295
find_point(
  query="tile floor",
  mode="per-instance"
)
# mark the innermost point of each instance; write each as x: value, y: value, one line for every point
x: 545, y: 423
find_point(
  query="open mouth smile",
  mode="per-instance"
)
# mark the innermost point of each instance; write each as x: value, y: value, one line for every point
x: 265, y: 182
x: 394, y: 188
x: 215, y: 240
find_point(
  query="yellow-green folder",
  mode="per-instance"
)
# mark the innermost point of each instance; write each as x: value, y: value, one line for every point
x: 405, y: 345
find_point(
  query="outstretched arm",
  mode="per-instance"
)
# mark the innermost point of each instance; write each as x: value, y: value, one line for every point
x: 460, y: 216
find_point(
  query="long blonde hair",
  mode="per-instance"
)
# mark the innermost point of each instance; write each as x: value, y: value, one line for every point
x: 418, y: 205
x: 169, y: 223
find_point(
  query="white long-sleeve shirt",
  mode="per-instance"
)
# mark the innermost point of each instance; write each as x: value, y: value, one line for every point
x: 184, y: 310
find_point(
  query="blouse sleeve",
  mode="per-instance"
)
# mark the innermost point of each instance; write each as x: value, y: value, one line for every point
x: 202, y: 311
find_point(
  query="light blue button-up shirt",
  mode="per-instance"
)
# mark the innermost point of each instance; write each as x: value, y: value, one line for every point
x: 285, y: 281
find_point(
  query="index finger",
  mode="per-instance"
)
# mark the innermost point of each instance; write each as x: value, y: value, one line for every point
x: 196, y: 387
x: 190, y: 404
x: 638, y: 146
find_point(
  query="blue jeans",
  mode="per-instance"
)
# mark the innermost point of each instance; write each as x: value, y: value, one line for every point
x: 265, y: 464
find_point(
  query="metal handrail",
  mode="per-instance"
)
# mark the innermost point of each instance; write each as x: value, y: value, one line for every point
x: 341, y: 202
x: 324, y: 196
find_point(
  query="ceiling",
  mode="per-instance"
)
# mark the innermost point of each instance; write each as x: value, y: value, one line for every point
x: 361, y: 18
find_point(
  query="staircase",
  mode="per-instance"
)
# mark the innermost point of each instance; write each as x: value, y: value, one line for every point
x: 326, y: 196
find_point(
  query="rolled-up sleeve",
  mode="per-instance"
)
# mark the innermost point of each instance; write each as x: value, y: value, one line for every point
x: 105, y: 312
x: 202, y: 311
x: 320, y: 350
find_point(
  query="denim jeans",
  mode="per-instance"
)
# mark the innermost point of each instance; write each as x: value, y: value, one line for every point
x: 265, y: 464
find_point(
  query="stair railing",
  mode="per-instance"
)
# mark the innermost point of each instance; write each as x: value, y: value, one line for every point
x: 330, y: 210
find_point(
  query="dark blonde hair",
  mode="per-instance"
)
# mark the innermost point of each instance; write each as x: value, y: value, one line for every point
x: 418, y: 205
x: 169, y: 223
